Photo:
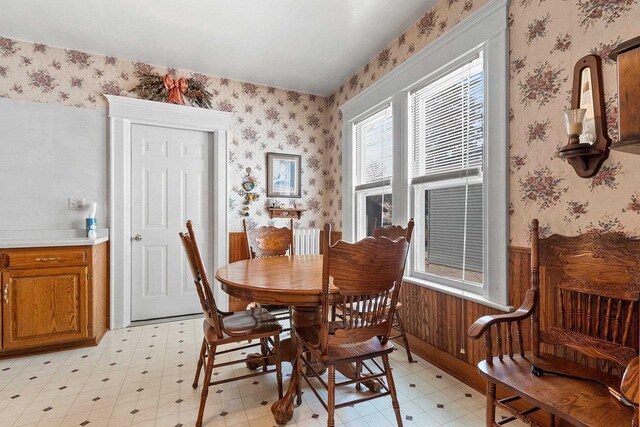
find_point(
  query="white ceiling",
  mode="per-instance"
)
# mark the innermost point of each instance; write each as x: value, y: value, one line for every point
x: 305, y: 45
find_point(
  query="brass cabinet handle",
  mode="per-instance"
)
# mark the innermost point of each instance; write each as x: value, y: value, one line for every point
x: 55, y: 258
x: 5, y: 293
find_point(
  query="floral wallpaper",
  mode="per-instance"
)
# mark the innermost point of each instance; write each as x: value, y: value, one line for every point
x: 547, y: 37
x: 265, y: 119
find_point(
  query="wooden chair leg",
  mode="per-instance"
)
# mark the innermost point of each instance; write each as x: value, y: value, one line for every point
x: 392, y: 389
x: 200, y: 363
x: 331, y: 396
x: 205, y: 386
x: 276, y: 350
x: 263, y: 352
x: 298, y: 373
x: 358, y: 375
x: 333, y: 313
x: 491, y: 405
x: 398, y: 319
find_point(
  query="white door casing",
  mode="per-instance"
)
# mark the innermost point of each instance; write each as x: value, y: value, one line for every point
x: 124, y: 113
x: 169, y: 185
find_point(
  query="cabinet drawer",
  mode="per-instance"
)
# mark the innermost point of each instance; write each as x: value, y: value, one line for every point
x: 45, y: 257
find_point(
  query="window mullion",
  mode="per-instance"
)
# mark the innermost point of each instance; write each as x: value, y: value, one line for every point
x: 401, y: 158
x: 348, y: 181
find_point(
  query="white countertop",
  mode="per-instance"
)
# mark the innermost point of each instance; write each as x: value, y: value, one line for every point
x: 46, y: 238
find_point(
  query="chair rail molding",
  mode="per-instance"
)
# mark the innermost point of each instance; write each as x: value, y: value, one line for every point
x: 124, y: 112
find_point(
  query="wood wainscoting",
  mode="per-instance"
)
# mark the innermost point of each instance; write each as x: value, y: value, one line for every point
x: 442, y: 320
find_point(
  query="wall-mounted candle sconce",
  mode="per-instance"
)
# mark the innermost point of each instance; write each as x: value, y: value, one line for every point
x: 588, y: 145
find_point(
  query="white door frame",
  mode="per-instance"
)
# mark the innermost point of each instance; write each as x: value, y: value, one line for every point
x: 123, y: 113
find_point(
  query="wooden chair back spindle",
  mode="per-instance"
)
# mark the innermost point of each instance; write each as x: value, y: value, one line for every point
x: 367, y: 275
x: 268, y: 241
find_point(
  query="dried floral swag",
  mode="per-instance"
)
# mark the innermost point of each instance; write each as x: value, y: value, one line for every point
x: 166, y: 88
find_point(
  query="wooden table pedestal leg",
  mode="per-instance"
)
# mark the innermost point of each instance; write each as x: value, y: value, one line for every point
x: 302, y: 316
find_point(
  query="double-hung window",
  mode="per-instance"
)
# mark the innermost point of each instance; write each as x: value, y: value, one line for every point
x: 429, y: 141
x: 447, y: 132
x: 374, y: 168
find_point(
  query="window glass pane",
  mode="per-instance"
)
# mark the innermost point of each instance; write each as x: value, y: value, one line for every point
x: 378, y: 207
x: 453, y: 232
x: 448, y: 121
x: 374, y: 139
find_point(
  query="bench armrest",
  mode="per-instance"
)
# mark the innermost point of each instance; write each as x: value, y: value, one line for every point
x: 481, y: 325
x: 630, y: 386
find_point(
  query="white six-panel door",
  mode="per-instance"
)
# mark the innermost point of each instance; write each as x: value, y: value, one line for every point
x: 169, y: 185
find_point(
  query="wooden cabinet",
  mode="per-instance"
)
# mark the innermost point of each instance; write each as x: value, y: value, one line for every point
x: 53, y: 297
x: 44, y: 306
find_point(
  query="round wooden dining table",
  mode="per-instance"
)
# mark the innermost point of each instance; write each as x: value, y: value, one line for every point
x: 294, y: 281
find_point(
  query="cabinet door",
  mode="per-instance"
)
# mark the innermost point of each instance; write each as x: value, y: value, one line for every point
x: 44, y: 306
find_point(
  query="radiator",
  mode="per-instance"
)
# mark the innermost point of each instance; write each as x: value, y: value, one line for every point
x: 306, y: 241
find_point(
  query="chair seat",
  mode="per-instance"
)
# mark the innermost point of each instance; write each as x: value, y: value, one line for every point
x: 343, y: 353
x: 256, y: 323
x: 583, y: 403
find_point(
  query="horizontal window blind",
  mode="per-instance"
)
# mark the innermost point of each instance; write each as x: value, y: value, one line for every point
x: 454, y: 221
x: 374, y: 145
x: 448, y: 121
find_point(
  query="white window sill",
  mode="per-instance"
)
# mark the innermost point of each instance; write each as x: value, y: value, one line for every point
x: 466, y: 295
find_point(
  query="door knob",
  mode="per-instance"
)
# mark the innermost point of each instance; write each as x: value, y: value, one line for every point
x: 137, y: 237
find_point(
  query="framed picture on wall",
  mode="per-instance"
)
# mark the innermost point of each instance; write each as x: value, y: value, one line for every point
x: 283, y: 175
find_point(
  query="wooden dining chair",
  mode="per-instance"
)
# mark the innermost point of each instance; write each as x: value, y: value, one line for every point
x: 268, y: 241
x: 366, y: 273
x: 222, y: 328
x: 392, y: 232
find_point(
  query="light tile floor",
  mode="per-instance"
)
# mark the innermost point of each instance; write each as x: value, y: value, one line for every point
x: 142, y: 376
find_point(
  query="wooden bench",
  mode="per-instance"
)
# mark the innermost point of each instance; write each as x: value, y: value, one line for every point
x: 582, y: 310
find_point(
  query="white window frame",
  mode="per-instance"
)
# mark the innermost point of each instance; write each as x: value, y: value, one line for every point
x: 361, y: 191
x: 486, y: 30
